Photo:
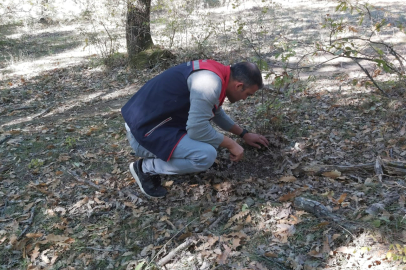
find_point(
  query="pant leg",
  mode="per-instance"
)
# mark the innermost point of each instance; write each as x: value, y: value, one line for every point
x: 139, y: 151
x: 190, y: 156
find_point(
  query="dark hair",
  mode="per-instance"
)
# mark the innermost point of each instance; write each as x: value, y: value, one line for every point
x: 247, y: 73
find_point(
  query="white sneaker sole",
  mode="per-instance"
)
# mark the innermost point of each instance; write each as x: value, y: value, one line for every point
x: 134, y: 174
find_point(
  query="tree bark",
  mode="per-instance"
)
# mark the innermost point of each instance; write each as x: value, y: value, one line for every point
x: 138, y: 33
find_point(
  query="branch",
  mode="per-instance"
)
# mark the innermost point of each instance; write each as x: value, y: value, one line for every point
x: 172, y: 254
x: 171, y: 239
x: 77, y: 178
x: 369, y: 76
x: 390, y: 166
x: 5, y: 139
x: 29, y: 222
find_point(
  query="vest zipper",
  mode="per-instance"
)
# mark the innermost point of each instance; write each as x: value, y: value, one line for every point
x: 157, y: 126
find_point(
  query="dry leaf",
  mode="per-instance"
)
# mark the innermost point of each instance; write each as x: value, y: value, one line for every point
x: 315, y: 254
x: 288, y: 179
x: 168, y: 183
x: 28, y: 207
x: 146, y: 250
x: 184, y: 236
x: 222, y: 258
x: 342, y: 198
x: 345, y: 204
x: 217, y: 187
x: 402, y: 200
x: 35, y: 253
x: 288, y: 196
x: 236, y: 243
x: 3, y: 239
x: 257, y: 266
x: 271, y: 255
x: 335, y: 236
x: 402, y: 131
x: 333, y: 174
x: 248, y: 219
x: 320, y: 225
x: 326, y: 245
x: 44, y: 257
x: 34, y: 235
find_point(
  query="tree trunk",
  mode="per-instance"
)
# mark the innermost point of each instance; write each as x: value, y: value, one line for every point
x: 138, y: 32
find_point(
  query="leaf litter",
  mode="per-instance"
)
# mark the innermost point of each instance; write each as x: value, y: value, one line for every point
x: 68, y: 200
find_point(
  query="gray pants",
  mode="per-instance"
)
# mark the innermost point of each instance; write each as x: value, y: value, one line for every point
x: 190, y: 156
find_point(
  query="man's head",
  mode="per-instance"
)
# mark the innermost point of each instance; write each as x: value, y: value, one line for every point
x: 245, y: 80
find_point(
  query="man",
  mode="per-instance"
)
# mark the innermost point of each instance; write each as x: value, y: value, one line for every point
x: 168, y: 120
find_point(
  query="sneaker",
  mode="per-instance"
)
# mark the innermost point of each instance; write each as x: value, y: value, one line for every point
x: 149, y: 184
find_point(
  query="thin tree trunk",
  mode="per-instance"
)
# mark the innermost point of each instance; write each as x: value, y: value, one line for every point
x: 138, y: 32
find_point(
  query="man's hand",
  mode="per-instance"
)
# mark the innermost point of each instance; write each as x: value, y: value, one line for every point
x: 255, y: 140
x: 236, y: 150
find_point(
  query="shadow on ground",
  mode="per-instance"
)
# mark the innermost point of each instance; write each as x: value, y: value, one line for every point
x: 28, y: 47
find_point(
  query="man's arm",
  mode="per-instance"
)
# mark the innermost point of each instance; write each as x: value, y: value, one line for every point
x: 205, y: 89
x: 250, y: 138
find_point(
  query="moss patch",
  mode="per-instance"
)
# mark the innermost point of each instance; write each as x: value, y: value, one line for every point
x: 151, y: 58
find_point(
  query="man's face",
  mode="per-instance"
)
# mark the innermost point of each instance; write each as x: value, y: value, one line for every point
x: 239, y: 92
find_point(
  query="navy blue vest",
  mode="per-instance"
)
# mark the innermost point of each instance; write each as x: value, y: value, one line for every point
x: 158, y: 112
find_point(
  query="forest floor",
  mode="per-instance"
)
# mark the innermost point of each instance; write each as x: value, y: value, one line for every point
x: 68, y: 200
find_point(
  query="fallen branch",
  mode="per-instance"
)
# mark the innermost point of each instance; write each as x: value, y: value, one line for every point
x: 47, y: 110
x: 29, y: 222
x: 220, y: 218
x: 79, y: 179
x: 171, y: 240
x: 319, y: 210
x: 389, y: 166
x: 172, y: 254
x: 5, y: 139
x: 378, y: 168
x: 315, y: 208
x: 23, y: 108
x: 377, y: 208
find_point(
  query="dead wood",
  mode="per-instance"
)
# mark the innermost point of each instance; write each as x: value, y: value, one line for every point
x: 319, y: 210
x: 23, y: 108
x: 47, y: 110
x: 221, y: 217
x: 315, y: 208
x: 379, y: 166
x: 377, y: 208
x: 5, y: 139
x: 172, y: 254
x: 79, y: 179
x: 29, y: 222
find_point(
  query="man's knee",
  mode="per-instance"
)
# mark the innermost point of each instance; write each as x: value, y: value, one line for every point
x: 205, y: 158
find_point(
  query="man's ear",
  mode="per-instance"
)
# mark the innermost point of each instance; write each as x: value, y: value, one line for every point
x: 240, y: 86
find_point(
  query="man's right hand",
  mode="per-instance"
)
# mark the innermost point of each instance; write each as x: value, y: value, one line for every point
x: 236, y: 150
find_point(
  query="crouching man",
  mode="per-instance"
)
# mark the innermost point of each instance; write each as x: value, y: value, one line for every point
x: 168, y: 120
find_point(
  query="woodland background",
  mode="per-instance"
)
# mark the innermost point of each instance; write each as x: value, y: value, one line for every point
x: 329, y: 192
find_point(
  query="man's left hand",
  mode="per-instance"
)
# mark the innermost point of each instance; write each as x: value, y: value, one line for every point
x: 255, y: 140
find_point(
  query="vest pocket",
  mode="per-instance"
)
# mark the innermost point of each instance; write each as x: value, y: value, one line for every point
x: 157, y: 126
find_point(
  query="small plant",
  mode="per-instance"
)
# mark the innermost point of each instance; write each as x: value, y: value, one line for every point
x: 35, y: 163
x: 397, y: 252
x: 70, y: 142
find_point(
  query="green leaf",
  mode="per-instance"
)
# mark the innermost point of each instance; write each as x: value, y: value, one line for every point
x: 389, y: 255
x: 139, y: 266
x: 376, y: 223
